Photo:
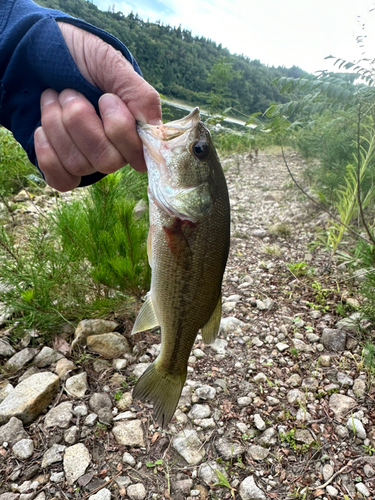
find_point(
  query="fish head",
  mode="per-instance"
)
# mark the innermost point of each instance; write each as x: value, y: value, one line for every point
x: 181, y: 161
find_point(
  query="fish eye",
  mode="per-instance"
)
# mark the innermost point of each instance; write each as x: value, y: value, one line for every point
x: 200, y: 149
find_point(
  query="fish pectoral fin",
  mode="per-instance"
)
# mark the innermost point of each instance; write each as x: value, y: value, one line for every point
x: 146, y: 318
x: 211, y: 328
x: 161, y: 388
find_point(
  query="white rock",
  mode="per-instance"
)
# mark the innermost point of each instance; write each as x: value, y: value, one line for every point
x: 250, y: 491
x: 259, y: 422
x: 76, y: 460
x: 23, y: 449
x: 130, y: 433
x: 77, y: 385
x: 136, y: 491
x: 188, y: 445
x: 103, y: 494
x: 362, y: 488
x: 354, y: 425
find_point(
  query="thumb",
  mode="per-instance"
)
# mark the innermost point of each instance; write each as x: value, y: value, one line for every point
x: 106, y: 68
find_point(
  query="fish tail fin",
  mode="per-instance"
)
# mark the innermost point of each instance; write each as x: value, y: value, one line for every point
x: 161, y: 388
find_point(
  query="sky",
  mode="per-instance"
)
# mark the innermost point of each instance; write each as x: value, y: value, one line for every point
x: 277, y: 32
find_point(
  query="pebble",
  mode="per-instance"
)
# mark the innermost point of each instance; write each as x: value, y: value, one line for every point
x: 20, y: 359
x: 327, y: 472
x: 250, y: 491
x: 354, y: 425
x: 359, y: 388
x: 332, y: 491
x: 46, y: 357
x: 59, y: 416
x: 282, y: 346
x: 205, y: 392
x: 341, y: 404
x: 368, y: 470
x: 76, y: 460
x: 77, y: 385
x: 267, y: 438
x: 362, y: 489
x: 23, y: 449
x: 129, y: 433
x: 325, y: 360
x: 207, y: 472
x: 333, y: 340
x: 127, y: 458
x: 136, y: 491
x: 259, y: 422
x: 189, y: 446
x: 244, y: 401
x: 71, y: 435
x: 12, y: 432
x: 229, y: 449
x: 53, y: 455
x: 344, y: 379
x: 103, y: 494
x: 258, y: 452
x: 296, y: 397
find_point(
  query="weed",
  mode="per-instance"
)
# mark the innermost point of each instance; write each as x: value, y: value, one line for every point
x: 272, y: 250
x: 294, y: 352
x: 298, y: 268
x: 281, y: 229
x: 369, y: 449
x: 118, y: 395
x: 154, y: 465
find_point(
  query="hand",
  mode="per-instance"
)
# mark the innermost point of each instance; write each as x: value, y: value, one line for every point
x: 73, y: 141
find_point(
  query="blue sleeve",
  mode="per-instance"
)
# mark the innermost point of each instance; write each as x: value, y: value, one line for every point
x: 34, y: 57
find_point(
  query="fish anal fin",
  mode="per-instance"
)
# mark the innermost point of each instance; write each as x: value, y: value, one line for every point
x: 146, y: 318
x: 161, y: 388
x: 211, y: 328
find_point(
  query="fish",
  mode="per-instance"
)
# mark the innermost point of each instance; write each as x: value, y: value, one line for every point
x: 188, y: 245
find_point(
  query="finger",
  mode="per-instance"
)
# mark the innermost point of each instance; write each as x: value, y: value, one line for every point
x: 104, y: 66
x: 68, y: 153
x: 84, y: 125
x: 120, y: 128
x: 54, y: 173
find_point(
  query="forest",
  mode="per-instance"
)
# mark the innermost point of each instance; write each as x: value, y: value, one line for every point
x: 181, y: 66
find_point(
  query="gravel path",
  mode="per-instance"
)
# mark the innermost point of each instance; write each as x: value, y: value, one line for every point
x: 280, y: 406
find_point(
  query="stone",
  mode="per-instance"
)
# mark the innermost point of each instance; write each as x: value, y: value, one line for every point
x: 341, y: 404
x: 30, y: 371
x: 362, y: 489
x: 5, y: 390
x: 57, y: 477
x: 310, y: 384
x: 325, y: 360
x: 29, y: 398
x: 342, y: 431
x: 140, y: 368
x: 71, y: 435
x: 354, y: 425
x: 303, y: 415
x: 105, y: 416
x: 205, y: 423
x: 12, y: 432
x: 219, y: 346
x: 350, y: 324
x: 281, y: 346
x: 259, y: 422
x: 127, y: 458
x: 333, y: 340
x: 312, y: 337
x: 77, y: 385
x: 100, y: 400
x: 260, y: 377
x: 23, y: 449
x: 189, y: 446
x: 119, y: 364
x: 258, y: 452
x: 108, y: 345
x: 64, y: 367
x: 303, y: 436
x: 9, y: 496
x: 229, y: 449
x: 182, y: 486
x: 125, y: 401
x: 332, y: 492
x: 20, y: 359
x: 53, y: 455
x: 89, y: 327
x: 46, y: 357
x: 268, y: 438
x: 294, y: 380
x: 207, y: 472
x: 296, y: 397
x: 244, y: 401
x: 6, y: 350
x: 250, y: 491
x: 91, y: 419
x: 344, y: 380
x: 59, y: 416
x: 199, y: 411
x: 327, y: 472
x: 368, y: 470
x: 301, y: 346
x: 136, y: 491
x: 80, y: 411
x: 76, y: 460
x: 230, y: 324
x: 359, y: 388
x: 103, y: 494
x: 129, y: 433
x: 205, y: 392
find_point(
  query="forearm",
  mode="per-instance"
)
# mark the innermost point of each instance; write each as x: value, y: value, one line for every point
x: 34, y: 57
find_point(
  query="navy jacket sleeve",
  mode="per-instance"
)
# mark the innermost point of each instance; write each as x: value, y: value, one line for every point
x: 34, y: 57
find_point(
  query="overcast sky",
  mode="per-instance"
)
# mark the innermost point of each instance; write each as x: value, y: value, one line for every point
x: 277, y: 32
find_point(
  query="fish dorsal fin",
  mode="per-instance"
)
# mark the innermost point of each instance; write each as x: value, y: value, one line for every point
x: 146, y: 318
x: 211, y: 328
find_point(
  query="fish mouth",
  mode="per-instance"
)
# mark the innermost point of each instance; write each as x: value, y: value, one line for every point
x: 168, y: 131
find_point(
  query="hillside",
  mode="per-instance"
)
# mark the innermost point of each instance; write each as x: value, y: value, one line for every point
x: 180, y: 66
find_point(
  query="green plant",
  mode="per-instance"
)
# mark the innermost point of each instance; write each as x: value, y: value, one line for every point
x: 294, y: 352
x: 281, y: 229
x: 369, y: 449
x: 297, y: 268
x: 223, y: 481
x: 117, y: 395
x: 154, y: 465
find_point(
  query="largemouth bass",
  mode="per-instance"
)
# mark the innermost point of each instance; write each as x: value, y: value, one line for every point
x: 188, y: 246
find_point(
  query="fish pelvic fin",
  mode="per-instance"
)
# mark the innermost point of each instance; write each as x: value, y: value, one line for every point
x: 161, y: 388
x: 146, y: 318
x: 211, y: 328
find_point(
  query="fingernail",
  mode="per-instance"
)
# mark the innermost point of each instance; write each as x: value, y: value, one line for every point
x: 40, y: 137
x: 108, y: 104
x: 68, y: 95
x: 47, y: 97
x: 155, y: 122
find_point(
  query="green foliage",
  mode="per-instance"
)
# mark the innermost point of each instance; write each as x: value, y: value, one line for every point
x: 298, y: 268
x: 16, y: 172
x: 102, y: 227
x: 183, y: 66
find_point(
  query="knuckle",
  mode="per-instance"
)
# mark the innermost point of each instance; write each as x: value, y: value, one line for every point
x: 75, y: 112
